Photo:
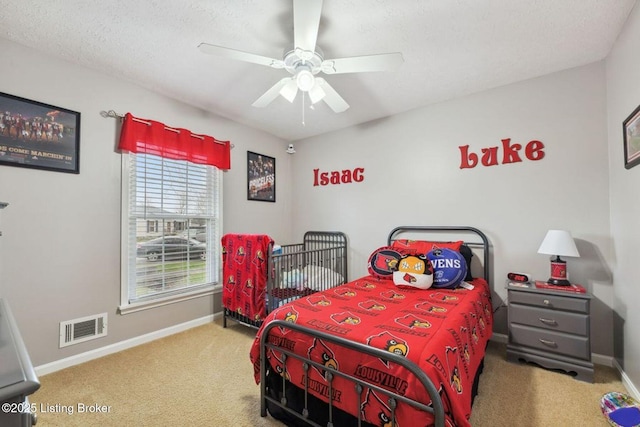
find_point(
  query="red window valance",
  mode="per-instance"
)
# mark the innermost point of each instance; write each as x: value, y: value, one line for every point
x: 151, y: 137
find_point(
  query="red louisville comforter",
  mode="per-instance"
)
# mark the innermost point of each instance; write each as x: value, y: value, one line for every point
x: 244, y: 271
x: 444, y: 332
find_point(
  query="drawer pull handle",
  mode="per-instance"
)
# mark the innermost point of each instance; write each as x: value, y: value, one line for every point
x: 546, y: 302
x: 547, y: 321
x: 547, y: 342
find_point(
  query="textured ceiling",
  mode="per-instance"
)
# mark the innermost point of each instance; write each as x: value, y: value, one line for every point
x: 450, y: 47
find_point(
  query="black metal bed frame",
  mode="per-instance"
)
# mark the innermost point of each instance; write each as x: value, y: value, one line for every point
x: 436, y: 408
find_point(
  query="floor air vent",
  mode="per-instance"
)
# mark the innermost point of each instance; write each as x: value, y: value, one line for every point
x: 80, y: 330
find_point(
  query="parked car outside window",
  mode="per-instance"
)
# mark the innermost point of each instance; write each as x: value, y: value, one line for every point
x: 172, y: 247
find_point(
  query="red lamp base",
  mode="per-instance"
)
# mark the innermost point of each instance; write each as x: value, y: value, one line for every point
x: 558, y: 273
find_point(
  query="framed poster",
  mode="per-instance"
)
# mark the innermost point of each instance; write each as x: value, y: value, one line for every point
x: 39, y: 136
x: 261, y: 177
x: 631, y: 131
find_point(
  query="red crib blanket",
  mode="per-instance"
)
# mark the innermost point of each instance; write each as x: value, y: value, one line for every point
x: 244, y: 270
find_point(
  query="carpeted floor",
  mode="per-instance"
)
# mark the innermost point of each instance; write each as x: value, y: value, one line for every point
x: 203, y: 377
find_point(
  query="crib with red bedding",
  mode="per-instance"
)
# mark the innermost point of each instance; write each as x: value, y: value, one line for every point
x: 369, y: 353
x: 259, y: 276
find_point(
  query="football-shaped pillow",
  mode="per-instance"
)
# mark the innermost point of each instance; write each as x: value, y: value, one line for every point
x: 449, y: 268
x: 383, y: 262
x: 414, y: 271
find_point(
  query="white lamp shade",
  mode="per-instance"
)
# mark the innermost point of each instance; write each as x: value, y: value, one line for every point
x: 558, y: 242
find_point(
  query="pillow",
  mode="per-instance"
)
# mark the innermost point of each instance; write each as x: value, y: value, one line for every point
x: 383, y: 262
x: 449, y: 268
x: 319, y: 278
x: 414, y: 271
x: 466, y: 252
x: 423, y: 246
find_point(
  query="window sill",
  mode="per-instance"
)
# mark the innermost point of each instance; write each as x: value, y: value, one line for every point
x: 159, y: 302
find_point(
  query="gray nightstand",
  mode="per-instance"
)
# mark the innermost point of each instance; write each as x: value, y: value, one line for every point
x: 550, y: 328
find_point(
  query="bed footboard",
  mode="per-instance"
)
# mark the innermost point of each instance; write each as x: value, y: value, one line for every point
x: 435, y: 408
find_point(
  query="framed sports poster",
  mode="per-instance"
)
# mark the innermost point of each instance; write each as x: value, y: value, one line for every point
x: 39, y: 136
x: 261, y: 177
x: 631, y: 129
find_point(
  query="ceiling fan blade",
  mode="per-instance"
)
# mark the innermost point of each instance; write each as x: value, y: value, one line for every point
x: 240, y: 55
x: 357, y: 64
x: 331, y: 97
x: 306, y: 21
x: 271, y: 94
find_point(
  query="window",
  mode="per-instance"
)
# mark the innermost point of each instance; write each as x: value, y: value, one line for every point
x: 171, y: 222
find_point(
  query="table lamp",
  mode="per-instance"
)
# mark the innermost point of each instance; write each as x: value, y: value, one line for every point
x: 558, y: 243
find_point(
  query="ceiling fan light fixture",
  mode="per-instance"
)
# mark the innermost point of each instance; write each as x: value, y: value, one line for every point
x: 289, y: 90
x: 316, y: 94
x: 305, y: 80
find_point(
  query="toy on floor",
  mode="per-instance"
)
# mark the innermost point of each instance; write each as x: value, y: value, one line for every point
x: 620, y: 410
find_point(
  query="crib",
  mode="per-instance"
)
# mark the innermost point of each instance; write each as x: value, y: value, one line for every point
x: 260, y: 276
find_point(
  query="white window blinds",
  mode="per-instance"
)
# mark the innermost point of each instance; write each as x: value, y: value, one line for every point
x: 173, y: 227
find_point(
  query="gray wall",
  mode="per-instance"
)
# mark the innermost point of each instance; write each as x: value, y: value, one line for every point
x: 623, y: 96
x: 60, y: 250
x: 413, y: 176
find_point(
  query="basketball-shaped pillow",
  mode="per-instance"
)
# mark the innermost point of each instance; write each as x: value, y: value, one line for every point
x: 449, y: 268
x: 383, y: 262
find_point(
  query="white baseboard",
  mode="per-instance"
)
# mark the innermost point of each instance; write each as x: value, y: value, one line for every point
x: 626, y: 381
x: 119, y: 346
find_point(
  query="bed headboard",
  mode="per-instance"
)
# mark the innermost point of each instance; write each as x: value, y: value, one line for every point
x: 475, y: 239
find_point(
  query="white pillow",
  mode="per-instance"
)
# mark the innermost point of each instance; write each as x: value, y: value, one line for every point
x: 320, y: 278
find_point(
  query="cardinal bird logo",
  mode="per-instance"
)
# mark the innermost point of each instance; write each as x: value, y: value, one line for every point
x: 413, y: 322
x: 390, y: 343
x: 320, y: 300
x: 391, y: 294
x: 375, y: 411
x: 240, y: 255
x: 230, y: 283
x: 385, y: 262
x: 248, y: 286
x: 320, y: 353
x: 259, y: 258
x: 439, y: 296
x: 278, y: 364
x: 455, y: 381
x: 345, y: 292
x: 345, y: 318
x: 372, y: 305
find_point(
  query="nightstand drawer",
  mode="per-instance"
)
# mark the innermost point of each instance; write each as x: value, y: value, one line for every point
x: 551, y: 341
x: 561, y: 321
x: 556, y: 302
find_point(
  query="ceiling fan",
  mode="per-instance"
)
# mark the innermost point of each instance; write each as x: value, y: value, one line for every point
x: 305, y: 61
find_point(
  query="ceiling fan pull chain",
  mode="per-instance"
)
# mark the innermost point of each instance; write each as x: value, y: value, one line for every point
x: 303, y: 124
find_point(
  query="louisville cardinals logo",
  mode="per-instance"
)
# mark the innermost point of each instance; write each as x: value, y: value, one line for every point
x: 247, y: 288
x: 391, y: 294
x: 375, y: 411
x: 345, y: 318
x: 320, y: 353
x: 230, y: 283
x: 372, y: 305
x: 413, y: 322
x: 453, y: 359
x: 277, y: 364
x: 259, y: 258
x: 319, y: 300
x: 441, y: 296
x: 430, y: 308
x: 390, y: 343
x: 385, y: 262
x: 240, y: 255
x: 365, y: 285
x: 288, y: 314
x: 345, y: 292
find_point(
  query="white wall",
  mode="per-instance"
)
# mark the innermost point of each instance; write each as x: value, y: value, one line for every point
x: 61, y: 244
x: 413, y: 177
x: 623, y: 96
